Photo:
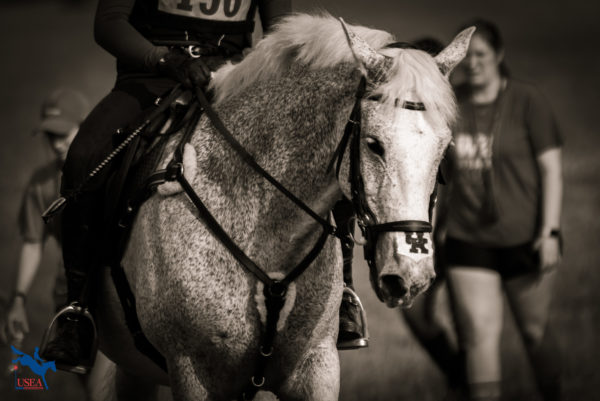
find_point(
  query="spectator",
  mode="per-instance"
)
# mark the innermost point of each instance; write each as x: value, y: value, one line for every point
x: 502, y: 218
x: 62, y: 112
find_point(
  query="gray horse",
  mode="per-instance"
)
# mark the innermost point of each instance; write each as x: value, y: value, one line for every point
x: 287, y: 103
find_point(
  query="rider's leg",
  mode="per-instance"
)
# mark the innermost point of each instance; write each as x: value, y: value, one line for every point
x: 82, y: 217
x: 352, y: 333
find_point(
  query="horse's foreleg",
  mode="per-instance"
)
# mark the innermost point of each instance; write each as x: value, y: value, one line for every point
x: 185, y: 383
x: 317, y: 377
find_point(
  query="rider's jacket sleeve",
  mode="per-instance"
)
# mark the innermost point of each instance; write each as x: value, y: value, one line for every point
x: 114, y: 33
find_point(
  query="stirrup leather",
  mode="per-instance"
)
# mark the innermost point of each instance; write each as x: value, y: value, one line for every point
x: 74, y: 308
x: 363, y: 340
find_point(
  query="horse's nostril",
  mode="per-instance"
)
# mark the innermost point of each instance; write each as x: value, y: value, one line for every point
x: 395, y: 285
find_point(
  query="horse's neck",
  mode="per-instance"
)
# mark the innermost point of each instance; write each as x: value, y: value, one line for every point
x: 291, y: 126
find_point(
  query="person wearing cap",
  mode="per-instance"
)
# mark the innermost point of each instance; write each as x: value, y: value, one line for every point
x: 62, y: 112
x: 156, y: 44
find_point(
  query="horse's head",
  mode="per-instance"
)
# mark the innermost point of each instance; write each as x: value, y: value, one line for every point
x: 303, y: 86
x: 401, y: 121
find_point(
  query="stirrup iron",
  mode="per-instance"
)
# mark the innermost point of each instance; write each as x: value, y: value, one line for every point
x: 363, y: 340
x: 74, y: 309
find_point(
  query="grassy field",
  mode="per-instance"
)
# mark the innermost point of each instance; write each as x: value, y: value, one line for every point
x: 46, y: 44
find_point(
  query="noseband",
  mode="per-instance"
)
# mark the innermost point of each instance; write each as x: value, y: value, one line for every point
x: 366, y: 219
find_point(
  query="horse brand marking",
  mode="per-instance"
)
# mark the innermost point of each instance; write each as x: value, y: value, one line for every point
x: 416, y: 242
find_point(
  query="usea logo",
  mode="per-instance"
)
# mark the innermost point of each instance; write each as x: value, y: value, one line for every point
x: 24, y: 380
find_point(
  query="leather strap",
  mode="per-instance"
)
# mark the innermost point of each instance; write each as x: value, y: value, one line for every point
x: 403, y: 225
x: 275, y: 290
x: 128, y: 302
x: 175, y: 171
x: 249, y: 159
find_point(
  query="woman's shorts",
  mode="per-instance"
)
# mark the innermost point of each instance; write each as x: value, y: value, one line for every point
x: 509, y: 261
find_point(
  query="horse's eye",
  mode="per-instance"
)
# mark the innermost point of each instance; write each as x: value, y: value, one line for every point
x: 374, y: 97
x: 375, y: 146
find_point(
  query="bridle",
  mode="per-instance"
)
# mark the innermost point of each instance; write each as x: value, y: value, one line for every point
x: 365, y: 218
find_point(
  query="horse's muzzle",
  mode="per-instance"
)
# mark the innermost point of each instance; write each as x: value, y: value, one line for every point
x: 399, y: 283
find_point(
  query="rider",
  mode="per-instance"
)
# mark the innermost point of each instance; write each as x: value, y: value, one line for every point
x: 149, y: 39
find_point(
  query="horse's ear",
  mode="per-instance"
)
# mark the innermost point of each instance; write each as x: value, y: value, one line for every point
x: 374, y: 65
x: 453, y: 54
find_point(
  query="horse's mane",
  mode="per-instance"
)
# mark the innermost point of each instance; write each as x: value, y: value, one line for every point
x: 318, y: 41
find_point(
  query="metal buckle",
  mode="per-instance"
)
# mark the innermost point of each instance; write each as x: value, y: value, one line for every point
x: 360, y: 242
x: 266, y: 354
x: 277, y: 289
x: 194, y: 51
x: 174, y: 171
x: 258, y: 385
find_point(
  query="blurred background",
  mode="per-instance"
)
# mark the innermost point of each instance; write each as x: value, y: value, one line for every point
x: 554, y: 44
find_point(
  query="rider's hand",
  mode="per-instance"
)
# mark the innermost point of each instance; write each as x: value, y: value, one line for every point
x: 549, y: 251
x: 191, y: 72
x: 16, y: 319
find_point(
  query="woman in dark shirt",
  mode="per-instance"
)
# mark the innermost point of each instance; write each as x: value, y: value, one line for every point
x: 503, y: 217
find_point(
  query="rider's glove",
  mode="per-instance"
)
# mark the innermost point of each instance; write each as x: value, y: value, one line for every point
x: 191, y: 72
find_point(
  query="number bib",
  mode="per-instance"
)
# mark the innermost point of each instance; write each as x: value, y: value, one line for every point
x: 215, y: 10
x: 176, y: 19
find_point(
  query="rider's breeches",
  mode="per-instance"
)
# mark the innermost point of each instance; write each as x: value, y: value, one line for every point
x: 82, y: 217
x: 342, y: 213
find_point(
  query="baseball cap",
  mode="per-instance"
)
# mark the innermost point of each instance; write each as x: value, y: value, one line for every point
x: 63, y: 110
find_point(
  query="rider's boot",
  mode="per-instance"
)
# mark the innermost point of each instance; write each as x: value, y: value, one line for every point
x: 353, y: 324
x: 70, y: 340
